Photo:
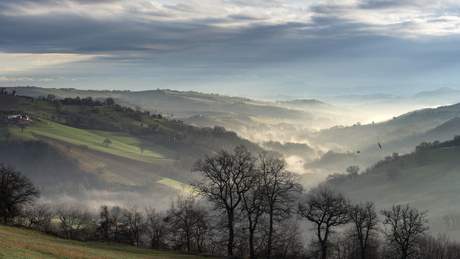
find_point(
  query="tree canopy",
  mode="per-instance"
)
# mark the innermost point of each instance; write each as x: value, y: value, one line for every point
x: 15, y: 190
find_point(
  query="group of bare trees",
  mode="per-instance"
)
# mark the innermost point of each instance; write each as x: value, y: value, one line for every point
x: 250, y: 194
x: 404, y: 228
x: 248, y: 207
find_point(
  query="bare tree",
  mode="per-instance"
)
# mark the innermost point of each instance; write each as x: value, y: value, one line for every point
x: 226, y: 177
x: 133, y: 220
x: 280, y: 189
x: 287, y: 240
x: 105, y: 226
x: 38, y: 216
x: 253, y: 207
x: 365, y: 222
x: 117, y: 218
x: 188, y: 224
x: 73, y: 221
x: 15, y: 191
x: 403, y: 226
x: 325, y: 208
x: 156, y: 228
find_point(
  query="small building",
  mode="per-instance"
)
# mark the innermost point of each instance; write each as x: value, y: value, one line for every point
x: 10, y: 117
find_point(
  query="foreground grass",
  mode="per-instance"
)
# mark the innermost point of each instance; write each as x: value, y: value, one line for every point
x: 23, y: 243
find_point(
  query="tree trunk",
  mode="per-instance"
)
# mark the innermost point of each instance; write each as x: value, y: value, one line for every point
x: 230, y: 234
x: 323, y: 250
x: 251, y: 243
x: 270, y: 234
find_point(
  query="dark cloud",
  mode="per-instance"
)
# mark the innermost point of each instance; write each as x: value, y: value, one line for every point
x: 391, y: 4
x: 333, y: 43
x: 245, y: 17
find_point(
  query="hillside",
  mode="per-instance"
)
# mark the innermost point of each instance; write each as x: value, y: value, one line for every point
x: 226, y: 109
x: 432, y: 186
x: 23, y: 243
x: 62, y: 149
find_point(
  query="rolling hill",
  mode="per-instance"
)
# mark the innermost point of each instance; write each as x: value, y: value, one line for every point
x: 432, y: 186
x: 64, y: 151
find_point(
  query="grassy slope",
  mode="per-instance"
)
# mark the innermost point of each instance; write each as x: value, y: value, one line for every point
x: 123, y: 144
x: 24, y: 243
x: 433, y: 186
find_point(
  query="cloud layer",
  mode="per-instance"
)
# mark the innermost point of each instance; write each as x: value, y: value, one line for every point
x: 231, y: 41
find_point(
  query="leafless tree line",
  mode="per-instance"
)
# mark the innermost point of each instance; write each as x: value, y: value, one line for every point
x: 254, y: 209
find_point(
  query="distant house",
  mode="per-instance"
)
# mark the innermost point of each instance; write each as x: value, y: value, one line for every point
x: 10, y: 117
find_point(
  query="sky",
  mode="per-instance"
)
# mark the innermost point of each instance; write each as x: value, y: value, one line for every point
x: 228, y: 46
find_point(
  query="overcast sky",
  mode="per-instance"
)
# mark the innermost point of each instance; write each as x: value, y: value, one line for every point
x: 222, y: 46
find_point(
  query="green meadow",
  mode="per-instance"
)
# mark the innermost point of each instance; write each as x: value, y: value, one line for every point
x: 123, y: 144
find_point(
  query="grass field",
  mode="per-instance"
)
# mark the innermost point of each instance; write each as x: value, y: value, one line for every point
x: 123, y: 144
x: 177, y: 185
x: 23, y: 243
x: 16, y: 133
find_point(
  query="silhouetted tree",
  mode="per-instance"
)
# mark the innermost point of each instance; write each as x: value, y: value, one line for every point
x: 403, y: 227
x: 188, y: 223
x: 58, y: 106
x: 365, y: 222
x: 15, y: 190
x: 226, y: 177
x: 133, y: 220
x: 107, y: 142
x: 280, y: 189
x: 325, y: 208
x: 38, y: 216
x: 84, y: 148
x: 109, y: 101
x: 73, y: 221
x: 104, y: 229
x: 352, y: 171
x: 156, y: 228
x: 22, y: 126
x: 50, y: 97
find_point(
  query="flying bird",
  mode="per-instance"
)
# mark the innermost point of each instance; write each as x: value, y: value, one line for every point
x: 358, y: 151
x: 379, y: 145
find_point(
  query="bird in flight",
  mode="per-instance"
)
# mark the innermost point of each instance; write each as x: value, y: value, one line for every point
x: 379, y: 145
